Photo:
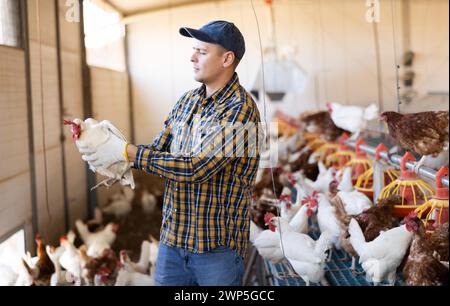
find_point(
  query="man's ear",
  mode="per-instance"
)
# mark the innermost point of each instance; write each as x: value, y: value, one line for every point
x: 229, y: 59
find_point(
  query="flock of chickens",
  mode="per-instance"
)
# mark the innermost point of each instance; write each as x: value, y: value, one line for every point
x: 303, y: 188
x: 285, y: 198
x: 85, y: 256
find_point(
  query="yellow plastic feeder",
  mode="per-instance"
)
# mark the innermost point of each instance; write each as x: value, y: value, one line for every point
x: 360, y: 163
x: 343, y: 155
x: 288, y: 126
x: 436, y: 209
x: 310, y: 136
x: 316, y: 143
x: 413, y: 191
x: 364, y: 183
x: 326, y: 150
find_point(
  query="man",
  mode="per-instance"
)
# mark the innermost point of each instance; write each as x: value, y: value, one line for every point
x: 208, y: 152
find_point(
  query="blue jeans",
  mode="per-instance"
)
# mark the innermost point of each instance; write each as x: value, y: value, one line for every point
x: 221, y: 266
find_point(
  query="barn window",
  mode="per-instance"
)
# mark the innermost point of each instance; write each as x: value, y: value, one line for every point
x: 10, y: 34
x: 104, y: 37
x: 12, y: 249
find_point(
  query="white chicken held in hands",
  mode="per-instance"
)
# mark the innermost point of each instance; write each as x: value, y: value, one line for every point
x: 103, y: 146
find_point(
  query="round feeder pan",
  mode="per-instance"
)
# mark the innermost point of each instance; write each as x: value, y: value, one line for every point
x: 367, y: 191
x: 402, y: 211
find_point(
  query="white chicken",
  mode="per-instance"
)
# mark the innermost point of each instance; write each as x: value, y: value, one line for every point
x: 321, y: 184
x: 352, y: 118
x: 299, y: 189
x: 287, y: 209
x: 7, y: 275
x: 328, y: 222
x: 127, y: 278
x: 148, y: 202
x: 144, y: 259
x: 154, y: 249
x: 71, y: 259
x: 267, y: 242
x: 355, y: 202
x: 346, y: 183
x: 59, y: 277
x: 268, y: 245
x: 99, y: 241
x: 299, y: 223
x: 434, y: 161
x: 92, y: 133
x: 306, y: 256
x: 120, y: 203
x: 24, y: 278
x: 380, y: 257
x: 255, y: 230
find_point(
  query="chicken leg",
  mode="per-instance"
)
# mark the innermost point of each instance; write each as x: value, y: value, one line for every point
x: 106, y: 183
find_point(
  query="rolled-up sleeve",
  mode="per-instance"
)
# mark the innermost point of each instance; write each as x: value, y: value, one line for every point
x: 218, y: 146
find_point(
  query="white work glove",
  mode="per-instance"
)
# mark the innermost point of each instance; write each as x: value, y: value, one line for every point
x: 106, y: 154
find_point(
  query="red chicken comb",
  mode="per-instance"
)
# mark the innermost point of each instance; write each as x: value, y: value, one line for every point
x: 311, y: 200
x: 62, y: 239
x: 291, y: 178
x: 74, y: 128
x: 285, y: 197
x: 268, y: 216
x: 115, y: 227
x: 104, y: 271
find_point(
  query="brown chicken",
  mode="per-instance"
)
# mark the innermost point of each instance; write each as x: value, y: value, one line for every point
x: 379, y: 218
x: 422, y: 268
x: 300, y: 161
x: 311, y: 171
x: 321, y: 123
x: 439, y: 241
x: 44, y: 268
x: 262, y: 206
x: 104, y: 266
x: 333, y: 188
x: 266, y: 182
x: 424, y: 133
x: 344, y: 221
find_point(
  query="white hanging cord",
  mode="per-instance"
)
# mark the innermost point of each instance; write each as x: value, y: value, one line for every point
x: 267, y: 126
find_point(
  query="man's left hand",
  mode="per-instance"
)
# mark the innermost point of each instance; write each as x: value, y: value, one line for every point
x: 106, y: 154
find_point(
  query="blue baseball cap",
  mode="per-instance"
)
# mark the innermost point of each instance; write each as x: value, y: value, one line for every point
x: 219, y: 32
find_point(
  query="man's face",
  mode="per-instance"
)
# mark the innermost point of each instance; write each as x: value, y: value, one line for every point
x: 208, y: 61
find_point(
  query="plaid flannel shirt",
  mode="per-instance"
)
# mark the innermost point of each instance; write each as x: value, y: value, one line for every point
x: 209, y: 156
